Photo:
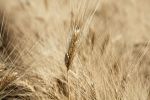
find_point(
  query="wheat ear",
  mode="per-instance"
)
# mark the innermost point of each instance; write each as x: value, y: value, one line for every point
x: 79, y: 29
x: 69, y: 56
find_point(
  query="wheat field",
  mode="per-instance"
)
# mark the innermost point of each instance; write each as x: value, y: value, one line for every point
x: 74, y: 50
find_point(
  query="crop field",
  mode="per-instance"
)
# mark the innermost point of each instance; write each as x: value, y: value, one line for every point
x: 74, y: 49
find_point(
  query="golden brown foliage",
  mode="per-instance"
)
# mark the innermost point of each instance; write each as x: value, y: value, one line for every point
x: 74, y: 50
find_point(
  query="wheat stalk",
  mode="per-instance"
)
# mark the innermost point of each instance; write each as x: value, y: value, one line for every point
x: 79, y: 27
x: 69, y: 56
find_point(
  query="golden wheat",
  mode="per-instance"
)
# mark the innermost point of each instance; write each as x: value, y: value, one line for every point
x: 103, y: 58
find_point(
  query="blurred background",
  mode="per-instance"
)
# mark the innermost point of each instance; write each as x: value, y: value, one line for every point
x: 127, y: 20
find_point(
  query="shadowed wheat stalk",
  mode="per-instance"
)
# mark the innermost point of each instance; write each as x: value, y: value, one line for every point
x: 78, y: 31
